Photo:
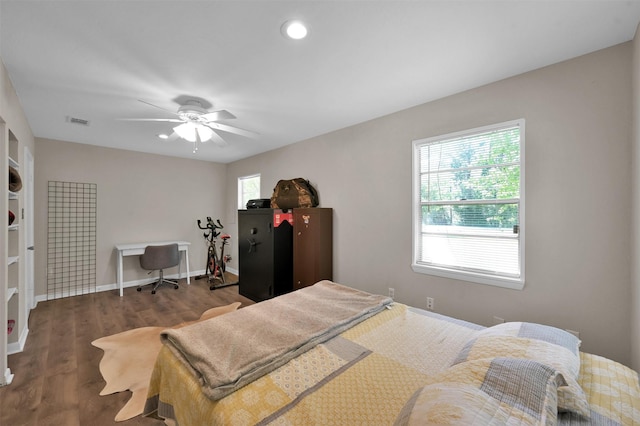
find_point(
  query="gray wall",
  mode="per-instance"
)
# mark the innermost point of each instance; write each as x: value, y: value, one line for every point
x: 578, y: 189
x: 141, y: 197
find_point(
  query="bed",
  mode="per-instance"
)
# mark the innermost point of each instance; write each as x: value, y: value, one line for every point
x: 387, y: 364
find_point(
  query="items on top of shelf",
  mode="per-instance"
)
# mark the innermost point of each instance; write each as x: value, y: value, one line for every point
x: 12, y: 217
x: 294, y: 193
x: 259, y: 203
x: 15, y: 182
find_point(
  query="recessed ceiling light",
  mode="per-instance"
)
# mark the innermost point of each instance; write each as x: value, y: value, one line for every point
x: 163, y: 136
x: 295, y: 30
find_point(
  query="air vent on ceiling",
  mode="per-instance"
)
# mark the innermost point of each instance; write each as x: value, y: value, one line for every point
x: 75, y: 120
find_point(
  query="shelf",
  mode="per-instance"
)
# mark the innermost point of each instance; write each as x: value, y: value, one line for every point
x: 13, y: 163
x: 11, y: 277
x: 10, y: 292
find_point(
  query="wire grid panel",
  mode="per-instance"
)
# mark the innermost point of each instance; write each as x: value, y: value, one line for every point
x: 71, y: 240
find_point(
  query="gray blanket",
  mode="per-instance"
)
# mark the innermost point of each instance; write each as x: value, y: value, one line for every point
x: 232, y: 350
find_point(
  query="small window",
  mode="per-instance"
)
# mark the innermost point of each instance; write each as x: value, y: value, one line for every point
x: 248, y: 189
x: 468, y: 205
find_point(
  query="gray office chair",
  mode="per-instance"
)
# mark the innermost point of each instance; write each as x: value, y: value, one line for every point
x: 158, y: 258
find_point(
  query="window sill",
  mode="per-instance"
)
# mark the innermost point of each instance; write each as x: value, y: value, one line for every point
x: 511, y: 283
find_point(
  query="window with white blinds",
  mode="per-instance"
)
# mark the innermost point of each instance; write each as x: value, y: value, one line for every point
x: 468, y: 220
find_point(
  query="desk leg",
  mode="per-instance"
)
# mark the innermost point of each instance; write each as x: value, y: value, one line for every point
x: 186, y: 256
x: 180, y: 265
x: 119, y: 272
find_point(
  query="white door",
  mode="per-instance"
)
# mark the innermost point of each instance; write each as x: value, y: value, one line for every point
x: 28, y: 232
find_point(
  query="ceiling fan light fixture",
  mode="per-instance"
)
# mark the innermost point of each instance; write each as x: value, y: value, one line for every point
x: 204, y: 132
x: 186, y: 131
x: 294, y: 29
x: 191, y: 131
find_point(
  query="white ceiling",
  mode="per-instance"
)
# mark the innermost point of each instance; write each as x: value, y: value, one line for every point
x: 94, y: 60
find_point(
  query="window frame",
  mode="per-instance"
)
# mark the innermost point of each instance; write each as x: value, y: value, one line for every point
x: 241, y: 203
x: 459, y: 274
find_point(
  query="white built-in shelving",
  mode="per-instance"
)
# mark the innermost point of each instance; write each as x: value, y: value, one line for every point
x: 10, y: 272
x: 11, y: 291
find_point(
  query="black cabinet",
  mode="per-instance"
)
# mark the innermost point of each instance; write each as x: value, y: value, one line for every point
x: 265, y: 253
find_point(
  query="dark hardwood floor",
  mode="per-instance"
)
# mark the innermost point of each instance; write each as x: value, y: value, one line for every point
x: 57, y: 380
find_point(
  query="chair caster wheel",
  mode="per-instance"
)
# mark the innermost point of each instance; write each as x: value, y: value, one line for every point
x: 139, y: 289
x: 213, y: 287
x: 175, y: 286
x: 153, y: 292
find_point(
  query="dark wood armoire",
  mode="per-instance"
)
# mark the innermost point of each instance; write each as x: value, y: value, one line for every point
x: 312, y: 246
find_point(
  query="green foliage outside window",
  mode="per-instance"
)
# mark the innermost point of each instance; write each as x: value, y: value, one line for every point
x: 468, y: 181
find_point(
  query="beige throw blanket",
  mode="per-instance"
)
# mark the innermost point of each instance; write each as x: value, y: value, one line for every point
x: 232, y: 350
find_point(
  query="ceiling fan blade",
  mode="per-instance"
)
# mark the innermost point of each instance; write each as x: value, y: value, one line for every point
x: 216, y: 139
x: 172, y: 137
x: 231, y: 129
x: 170, y: 120
x: 156, y: 106
x: 223, y: 114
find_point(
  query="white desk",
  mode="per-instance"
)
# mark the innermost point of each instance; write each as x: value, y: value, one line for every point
x: 138, y: 248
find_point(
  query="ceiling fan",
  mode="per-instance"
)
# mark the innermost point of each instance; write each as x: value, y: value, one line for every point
x: 197, y: 124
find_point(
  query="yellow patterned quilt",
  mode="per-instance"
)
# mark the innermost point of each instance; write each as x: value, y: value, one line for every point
x: 612, y: 391
x: 363, y: 376
x: 377, y: 372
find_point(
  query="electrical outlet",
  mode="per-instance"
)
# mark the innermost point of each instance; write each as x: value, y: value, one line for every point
x: 392, y: 292
x: 430, y: 303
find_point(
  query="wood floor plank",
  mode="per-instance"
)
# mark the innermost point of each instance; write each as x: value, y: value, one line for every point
x: 59, y: 399
x: 67, y: 418
x: 57, y: 379
x: 20, y: 406
x: 62, y: 357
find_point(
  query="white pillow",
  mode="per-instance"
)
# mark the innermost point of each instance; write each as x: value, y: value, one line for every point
x: 487, y: 391
x: 548, y: 345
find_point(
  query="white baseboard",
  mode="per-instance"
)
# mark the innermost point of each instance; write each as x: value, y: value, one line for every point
x: 8, y: 378
x: 17, y: 347
x: 135, y: 283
